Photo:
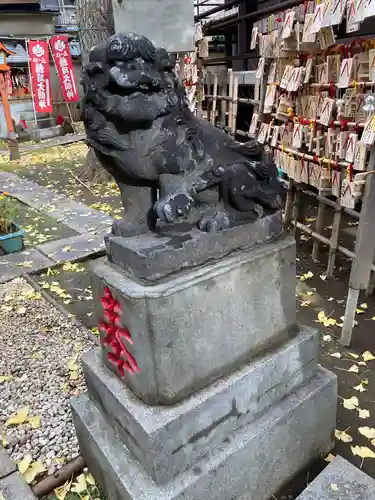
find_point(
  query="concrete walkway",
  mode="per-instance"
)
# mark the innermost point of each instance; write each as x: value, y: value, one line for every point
x: 91, y: 226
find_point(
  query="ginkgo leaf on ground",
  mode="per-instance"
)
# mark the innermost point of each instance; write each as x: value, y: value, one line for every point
x: 336, y: 355
x: 25, y: 463
x: 63, y: 490
x: 33, y: 471
x: 80, y: 484
x: 329, y: 457
x: 351, y: 404
x: 325, y: 320
x: 353, y: 355
x: 362, y: 451
x: 20, y: 417
x: 90, y: 479
x: 363, y: 413
x: 5, y: 378
x: 334, y: 487
x: 35, y: 422
x: 323, y: 277
x: 364, y: 306
x: 354, y: 369
x: 368, y: 356
x: 343, y: 436
x: 306, y: 276
x: 327, y: 338
x: 368, y: 432
x: 309, y: 294
x: 360, y: 388
x: 74, y: 375
x: 72, y: 365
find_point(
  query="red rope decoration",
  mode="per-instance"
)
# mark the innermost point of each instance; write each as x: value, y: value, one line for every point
x: 114, y: 336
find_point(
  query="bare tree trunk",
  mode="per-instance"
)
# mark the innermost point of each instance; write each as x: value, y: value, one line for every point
x: 95, y: 19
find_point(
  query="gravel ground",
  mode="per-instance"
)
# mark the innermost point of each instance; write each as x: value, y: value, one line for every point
x: 39, y: 369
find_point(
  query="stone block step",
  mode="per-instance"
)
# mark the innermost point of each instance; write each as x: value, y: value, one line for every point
x: 19, y: 263
x: 251, y: 463
x: 168, y: 439
x: 340, y: 480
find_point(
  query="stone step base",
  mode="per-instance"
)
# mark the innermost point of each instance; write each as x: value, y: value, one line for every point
x: 168, y: 440
x: 252, y: 463
x: 340, y: 480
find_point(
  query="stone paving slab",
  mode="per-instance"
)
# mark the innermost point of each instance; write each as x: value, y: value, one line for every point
x: 13, y: 487
x: 75, y: 247
x: 16, y: 264
x: 50, y: 143
x: 12, y: 484
x: 75, y: 215
x: 7, y: 466
x: 340, y: 480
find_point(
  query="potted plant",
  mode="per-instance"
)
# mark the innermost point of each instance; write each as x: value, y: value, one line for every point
x: 11, y: 235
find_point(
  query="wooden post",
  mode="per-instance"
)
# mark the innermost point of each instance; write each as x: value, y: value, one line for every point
x: 289, y: 204
x: 209, y: 101
x: 319, y: 227
x: 364, y: 253
x: 235, y: 105
x: 224, y: 103
x: 334, y: 241
x: 214, y: 100
x: 297, y: 215
x: 230, y: 110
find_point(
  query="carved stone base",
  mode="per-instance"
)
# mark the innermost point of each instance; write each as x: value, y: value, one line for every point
x: 195, y: 327
x: 252, y: 462
x: 152, y: 256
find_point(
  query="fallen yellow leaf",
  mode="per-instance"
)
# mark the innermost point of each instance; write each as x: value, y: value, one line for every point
x: 336, y: 355
x: 327, y: 338
x: 354, y: 369
x: 343, y: 436
x: 363, y: 413
x: 35, y: 422
x: 368, y: 356
x: 368, y: 432
x: 25, y: 463
x: 21, y: 310
x: 323, y: 277
x: 351, y: 404
x: 90, y: 479
x: 362, y: 451
x: 364, y: 306
x: 80, y: 484
x: 20, y: 417
x: 74, y: 375
x: 334, y: 487
x: 5, y: 378
x: 72, y: 365
x: 309, y: 294
x: 329, y: 457
x: 360, y: 388
x: 355, y: 356
x: 33, y: 471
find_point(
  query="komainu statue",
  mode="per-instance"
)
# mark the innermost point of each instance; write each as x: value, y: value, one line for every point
x: 169, y: 164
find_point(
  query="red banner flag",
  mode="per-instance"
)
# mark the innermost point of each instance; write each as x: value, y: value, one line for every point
x: 40, y: 75
x: 64, y: 66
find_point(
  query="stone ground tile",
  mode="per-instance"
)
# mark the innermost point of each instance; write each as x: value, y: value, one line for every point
x: 340, y: 480
x: 7, y: 466
x: 73, y: 214
x: 75, y: 247
x: 27, y: 261
x: 13, y: 487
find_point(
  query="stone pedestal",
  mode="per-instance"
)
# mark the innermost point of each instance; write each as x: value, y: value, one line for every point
x: 205, y: 387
